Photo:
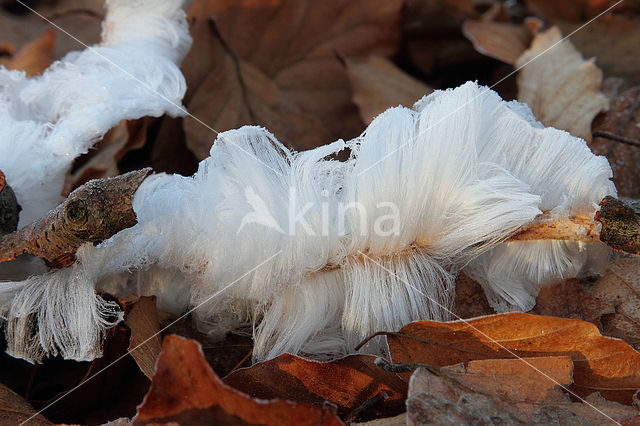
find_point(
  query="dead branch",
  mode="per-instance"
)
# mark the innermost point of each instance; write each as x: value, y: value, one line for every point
x: 92, y: 213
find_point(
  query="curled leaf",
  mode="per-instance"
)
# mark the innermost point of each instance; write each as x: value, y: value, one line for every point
x: 185, y: 388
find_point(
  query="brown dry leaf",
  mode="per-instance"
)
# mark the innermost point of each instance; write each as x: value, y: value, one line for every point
x: 377, y: 84
x: 15, y: 410
x: 349, y: 383
x: 502, y: 41
x: 102, y: 160
x: 185, y: 389
x: 569, y: 299
x: 35, y: 56
x: 431, y: 30
x: 503, y: 392
x: 613, y: 41
x: 275, y: 63
x: 562, y: 89
x: 620, y: 286
x: 622, y: 119
x: 144, y: 343
x: 602, y: 364
x: 81, y: 18
x: 470, y: 299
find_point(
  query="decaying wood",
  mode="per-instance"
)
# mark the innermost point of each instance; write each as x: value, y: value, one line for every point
x: 577, y: 228
x: 617, y: 224
x: 620, y: 224
x: 9, y: 208
x: 92, y: 213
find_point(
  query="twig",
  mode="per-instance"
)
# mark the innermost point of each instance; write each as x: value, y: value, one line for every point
x: 92, y: 213
x: 612, y: 136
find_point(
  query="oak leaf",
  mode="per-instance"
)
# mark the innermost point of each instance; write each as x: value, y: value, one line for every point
x: 185, y: 388
x: 377, y: 84
x: 601, y: 364
x: 562, y: 89
x: 350, y: 383
x: 275, y: 63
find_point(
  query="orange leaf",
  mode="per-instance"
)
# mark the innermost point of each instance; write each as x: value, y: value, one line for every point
x: 348, y: 382
x: 602, y: 364
x: 185, y: 388
x: 36, y: 56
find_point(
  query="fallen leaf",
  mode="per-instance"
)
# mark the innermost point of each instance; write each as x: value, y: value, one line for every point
x: 612, y: 40
x: 502, y: 41
x: 438, y: 14
x: 620, y: 286
x: 14, y: 409
x: 351, y: 383
x: 502, y: 392
x: 562, y: 89
x: 569, y: 299
x: 275, y: 63
x: 431, y: 32
x: 79, y: 18
x: 623, y: 120
x: 602, y: 364
x: 377, y: 84
x: 519, y: 381
x: 144, y: 344
x: 185, y: 389
x: 102, y: 160
x: 36, y: 56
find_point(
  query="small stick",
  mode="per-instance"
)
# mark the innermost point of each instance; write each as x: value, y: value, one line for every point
x: 92, y: 213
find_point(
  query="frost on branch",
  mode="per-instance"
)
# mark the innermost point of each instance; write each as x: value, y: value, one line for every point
x: 49, y: 120
x: 464, y: 169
